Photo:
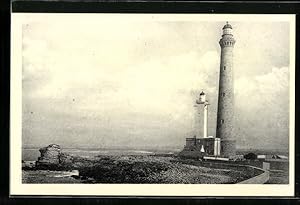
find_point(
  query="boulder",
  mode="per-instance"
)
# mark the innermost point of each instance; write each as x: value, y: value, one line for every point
x: 28, y: 165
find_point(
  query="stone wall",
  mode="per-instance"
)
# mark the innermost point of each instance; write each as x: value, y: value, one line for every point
x: 259, y: 179
x: 259, y: 175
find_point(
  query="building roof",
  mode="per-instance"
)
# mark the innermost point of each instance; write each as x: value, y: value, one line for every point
x: 227, y: 25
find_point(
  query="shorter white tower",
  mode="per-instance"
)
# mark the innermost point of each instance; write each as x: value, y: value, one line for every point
x: 202, y: 100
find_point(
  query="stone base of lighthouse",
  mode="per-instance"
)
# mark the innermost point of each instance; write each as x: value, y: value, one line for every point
x: 228, y: 148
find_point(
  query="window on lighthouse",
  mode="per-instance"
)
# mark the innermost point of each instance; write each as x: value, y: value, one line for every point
x: 223, y: 94
x: 222, y: 121
x: 224, y: 68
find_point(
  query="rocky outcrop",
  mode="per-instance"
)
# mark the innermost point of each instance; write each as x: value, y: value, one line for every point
x: 49, y: 155
x: 53, y: 159
x: 27, y: 165
x: 65, y: 158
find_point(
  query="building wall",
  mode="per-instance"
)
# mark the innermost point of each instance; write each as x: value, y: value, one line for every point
x: 193, y: 147
x: 208, y: 144
x: 190, y: 142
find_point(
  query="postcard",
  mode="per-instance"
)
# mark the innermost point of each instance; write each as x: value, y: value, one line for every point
x: 152, y: 104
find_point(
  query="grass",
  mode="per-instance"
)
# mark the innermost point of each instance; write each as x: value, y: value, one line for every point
x: 150, y: 169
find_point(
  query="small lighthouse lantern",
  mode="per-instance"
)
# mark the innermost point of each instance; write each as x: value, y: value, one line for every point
x: 227, y: 29
x: 202, y: 97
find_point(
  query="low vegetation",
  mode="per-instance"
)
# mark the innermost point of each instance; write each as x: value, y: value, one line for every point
x: 139, y: 170
x: 147, y: 169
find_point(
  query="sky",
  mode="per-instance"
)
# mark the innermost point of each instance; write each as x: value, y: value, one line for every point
x: 94, y: 82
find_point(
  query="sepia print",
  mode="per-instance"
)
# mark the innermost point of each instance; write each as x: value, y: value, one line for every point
x: 110, y: 99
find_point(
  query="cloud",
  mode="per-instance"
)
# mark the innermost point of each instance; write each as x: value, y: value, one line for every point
x: 262, y: 107
x: 130, y: 83
x: 152, y: 99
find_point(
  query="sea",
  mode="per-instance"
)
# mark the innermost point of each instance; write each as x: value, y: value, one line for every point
x: 32, y: 154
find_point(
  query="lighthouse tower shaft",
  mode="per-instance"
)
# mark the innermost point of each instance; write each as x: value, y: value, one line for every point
x: 225, y: 116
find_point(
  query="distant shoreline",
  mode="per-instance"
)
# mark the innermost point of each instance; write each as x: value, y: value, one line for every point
x: 31, y: 154
x: 155, y: 148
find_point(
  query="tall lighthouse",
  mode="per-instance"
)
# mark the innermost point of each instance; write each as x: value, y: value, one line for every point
x: 225, y: 116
